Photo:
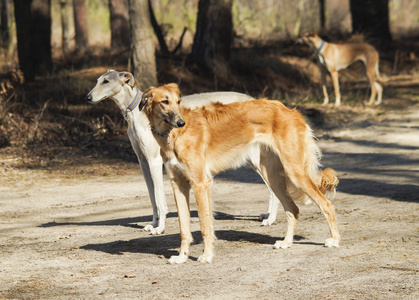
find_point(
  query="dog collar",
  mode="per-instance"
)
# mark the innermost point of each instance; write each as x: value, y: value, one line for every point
x: 162, y: 134
x: 321, y: 45
x: 132, y: 105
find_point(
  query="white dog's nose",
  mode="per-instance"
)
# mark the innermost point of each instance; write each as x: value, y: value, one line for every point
x: 89, y: 98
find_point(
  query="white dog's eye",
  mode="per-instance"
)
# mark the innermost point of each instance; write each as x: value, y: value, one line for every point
x: 105, y: 81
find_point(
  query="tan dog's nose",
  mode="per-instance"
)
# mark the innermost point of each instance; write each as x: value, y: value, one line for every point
x: 180, y: 123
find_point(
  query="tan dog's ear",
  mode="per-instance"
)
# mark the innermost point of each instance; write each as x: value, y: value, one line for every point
x: 174, y: 86
x: 146, y: 98
x: 127, y: 78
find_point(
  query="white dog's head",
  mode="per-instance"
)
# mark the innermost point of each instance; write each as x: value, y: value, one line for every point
x: 108, y: 85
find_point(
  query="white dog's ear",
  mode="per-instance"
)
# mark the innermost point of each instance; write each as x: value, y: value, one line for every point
x: 127, y: 78
x: 146, y: 98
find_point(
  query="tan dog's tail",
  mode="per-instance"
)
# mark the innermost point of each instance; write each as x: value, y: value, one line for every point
x: 378, y: 75
x: 329, y: 181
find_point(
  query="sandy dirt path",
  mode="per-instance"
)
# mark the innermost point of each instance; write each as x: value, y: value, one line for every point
x: 83, y: 239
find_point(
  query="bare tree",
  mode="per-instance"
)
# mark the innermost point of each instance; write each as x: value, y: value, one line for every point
x: 142, y: 44
x: 214, y: 36
x: 33, y: 26
x: 80, y: 24
x: 65, y: 26
x: 4, y: 25
x: 371, y: 17
x: 119, y: 24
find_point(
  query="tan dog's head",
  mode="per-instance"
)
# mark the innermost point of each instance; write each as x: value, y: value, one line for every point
x: 309, y: 38
x: 162, y: 104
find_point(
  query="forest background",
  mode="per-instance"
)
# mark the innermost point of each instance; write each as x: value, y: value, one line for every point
x: 63, y: 46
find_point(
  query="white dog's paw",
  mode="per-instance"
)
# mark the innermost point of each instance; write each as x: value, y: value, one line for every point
x: 267, y: 222
x: 205, y: 259
x: 154, y: 230
x: 148, y: 227
x: 263, y: 217
x: 157, y: 231
x: 178, y: 259
x: 282, y: 244
x: 331, y: 242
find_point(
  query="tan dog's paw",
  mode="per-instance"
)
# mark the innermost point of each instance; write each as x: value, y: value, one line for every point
x: 332, y: 243
x: 282, y: 244
x: 205, y: 259
x: 178, y: 259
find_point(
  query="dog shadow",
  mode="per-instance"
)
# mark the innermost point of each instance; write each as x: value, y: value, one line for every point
x: 132, y: 222
x: 166, y: 245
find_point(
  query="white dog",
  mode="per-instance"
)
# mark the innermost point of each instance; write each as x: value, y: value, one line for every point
x: 120, y: 87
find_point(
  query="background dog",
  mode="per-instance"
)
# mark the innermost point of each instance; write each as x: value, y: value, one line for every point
x: 335, y: 57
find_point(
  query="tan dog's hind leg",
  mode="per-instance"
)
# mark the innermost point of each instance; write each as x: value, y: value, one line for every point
x: 380, y: 93
x: 371, y: 79
x: 335, y: 79
x: 301, y: 180
x: 181, y: 190
x: 325, y: 206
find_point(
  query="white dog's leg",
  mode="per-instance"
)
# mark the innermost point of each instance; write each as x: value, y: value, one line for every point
x: 156, y: 171
x: 270, y: 217
x: 151, y: 167
x: 145, y: 168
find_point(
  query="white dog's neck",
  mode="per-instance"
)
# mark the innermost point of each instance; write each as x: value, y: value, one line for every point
x: 127, y: 100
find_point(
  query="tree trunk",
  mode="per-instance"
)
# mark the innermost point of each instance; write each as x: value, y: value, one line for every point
x: 33, y: 26
x: 142, y: 44
x: 65, y: 27
x: 214, y: 36
x: 157, y: 30
x: 371, y: 17
x: 322, y: 5
x: 4, y: 26
x: 119, y: 24
x: 80, y: 24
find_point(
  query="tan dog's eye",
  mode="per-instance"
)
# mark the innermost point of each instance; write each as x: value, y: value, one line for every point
x: 179, y: 101
x: 165, y: 102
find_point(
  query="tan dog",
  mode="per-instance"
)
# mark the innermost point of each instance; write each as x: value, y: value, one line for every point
x: 195, y: 144
x: 335, y: 57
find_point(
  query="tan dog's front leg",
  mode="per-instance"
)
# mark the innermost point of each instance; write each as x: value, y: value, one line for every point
x: 335, y: 79
x: 181, y: 190
x: 205, y: 217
